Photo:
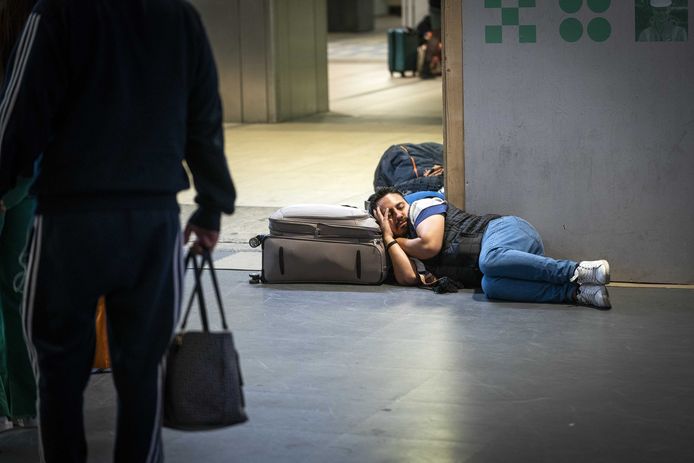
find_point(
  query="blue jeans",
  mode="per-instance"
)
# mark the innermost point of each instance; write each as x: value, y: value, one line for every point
x: 515, y: 268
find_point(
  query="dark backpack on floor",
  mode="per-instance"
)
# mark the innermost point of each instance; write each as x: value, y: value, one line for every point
x: 403, y: 165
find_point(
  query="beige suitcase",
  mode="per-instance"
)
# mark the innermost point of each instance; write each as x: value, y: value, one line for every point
x: 322, y: 243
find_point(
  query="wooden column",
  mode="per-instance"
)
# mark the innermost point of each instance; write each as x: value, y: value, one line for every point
x: 453, y: 99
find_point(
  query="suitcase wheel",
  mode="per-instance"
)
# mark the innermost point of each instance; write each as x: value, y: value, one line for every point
x: 254, y: 278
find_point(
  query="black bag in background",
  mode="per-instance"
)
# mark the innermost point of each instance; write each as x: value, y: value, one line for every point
x: 203, y: 388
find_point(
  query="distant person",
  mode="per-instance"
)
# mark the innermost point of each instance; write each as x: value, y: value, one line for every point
x: 116, y: 94
x: 17, y: 383
x: 431, y: 237
x: 432, y: 60
x: 662, y: 27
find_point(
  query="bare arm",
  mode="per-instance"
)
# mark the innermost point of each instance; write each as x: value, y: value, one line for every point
x: 429, y: 238
x: 403, y: 268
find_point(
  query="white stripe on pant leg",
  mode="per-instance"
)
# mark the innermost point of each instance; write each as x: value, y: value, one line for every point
x: 21, y: 58
x: 177, y: 275
x: 177, y: 279
x: 11, y: 95
x: 17, y: 65
x: 155, y: 442
x: 28, y: 314
x: 32, y: 275
x: 31, y: 265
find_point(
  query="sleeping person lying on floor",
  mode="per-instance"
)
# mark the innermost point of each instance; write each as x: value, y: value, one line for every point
x: 426, y: 237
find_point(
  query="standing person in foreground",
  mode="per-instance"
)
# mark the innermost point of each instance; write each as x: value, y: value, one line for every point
x: 504, y: 254
x: 115, y: 94
x: 17, y: 383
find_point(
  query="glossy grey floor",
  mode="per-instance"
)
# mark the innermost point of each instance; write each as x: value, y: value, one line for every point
x: 390, y: 374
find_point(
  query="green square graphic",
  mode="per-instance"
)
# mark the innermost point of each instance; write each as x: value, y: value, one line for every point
x: 492, y: 34
x: 526, y: 3
x: 492, y: 3
x: 509, y: 16
x: 527, y: 34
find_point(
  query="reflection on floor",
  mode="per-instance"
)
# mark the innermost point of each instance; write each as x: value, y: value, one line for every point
x: 338, y: 373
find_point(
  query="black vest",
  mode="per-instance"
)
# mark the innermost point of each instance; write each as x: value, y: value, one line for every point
x: 459, y: 256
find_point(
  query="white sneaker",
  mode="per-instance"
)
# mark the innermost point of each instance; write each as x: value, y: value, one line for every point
x: 594, y: 272
x: 594, y: 296
x: 5, y: 424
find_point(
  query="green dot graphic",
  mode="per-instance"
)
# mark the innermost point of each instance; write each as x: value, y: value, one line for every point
x: 571, y: 29
x: 570, y: 6
x: 598, y: 6
x: 599, y: 29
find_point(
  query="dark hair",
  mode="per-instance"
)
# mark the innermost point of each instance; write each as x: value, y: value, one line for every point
x: 380, y: 193
x: 13, y: 15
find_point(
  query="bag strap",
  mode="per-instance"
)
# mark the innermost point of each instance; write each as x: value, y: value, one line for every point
x: 414, y: 163
x: 196, y: 293
x: 428, y: 280
x: 205, y: 258
x: 213, y: 275
x: 439, y: 285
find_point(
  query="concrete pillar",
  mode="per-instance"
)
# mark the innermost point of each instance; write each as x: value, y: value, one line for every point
x: 271, y: 56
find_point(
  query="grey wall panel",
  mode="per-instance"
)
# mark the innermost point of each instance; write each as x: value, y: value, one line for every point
x: 271, y: 55
x: 221, y: 19
x: 256, y: 36
x: 303, y: 58
x: 300, y: 58
x: 592, y: 141
x: 320, y: 40
x: 350, y: 15
x: 413, y: 11
x: 281, y: 62
x: 380, y: 8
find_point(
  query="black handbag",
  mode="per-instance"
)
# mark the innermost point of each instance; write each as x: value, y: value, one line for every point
x: 203, y: 386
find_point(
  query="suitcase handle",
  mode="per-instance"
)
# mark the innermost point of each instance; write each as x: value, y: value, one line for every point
x: 358, y: 265
x: 281, y: 259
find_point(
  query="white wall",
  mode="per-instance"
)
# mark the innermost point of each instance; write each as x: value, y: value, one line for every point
x: 593, y: 142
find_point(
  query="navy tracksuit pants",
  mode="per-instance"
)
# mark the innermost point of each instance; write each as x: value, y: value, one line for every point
x: 133, y: 257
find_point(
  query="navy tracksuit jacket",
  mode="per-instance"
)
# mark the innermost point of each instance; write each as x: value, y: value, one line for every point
x: 115, y: 95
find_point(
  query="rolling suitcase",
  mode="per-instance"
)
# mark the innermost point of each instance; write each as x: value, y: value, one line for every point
x: 322, y: 243
x: 402, y: 50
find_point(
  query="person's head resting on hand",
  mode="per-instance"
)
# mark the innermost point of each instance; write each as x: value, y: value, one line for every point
x: 391, y: 203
